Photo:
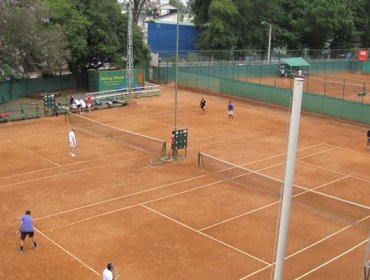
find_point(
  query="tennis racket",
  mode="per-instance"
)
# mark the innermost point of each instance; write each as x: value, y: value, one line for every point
x: 116, y: 273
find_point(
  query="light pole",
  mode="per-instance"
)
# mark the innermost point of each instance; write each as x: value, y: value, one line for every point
x: 177, y: 63
x: 269, y: 47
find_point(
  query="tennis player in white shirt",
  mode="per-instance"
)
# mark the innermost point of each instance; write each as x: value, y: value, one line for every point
x: 72, y: 142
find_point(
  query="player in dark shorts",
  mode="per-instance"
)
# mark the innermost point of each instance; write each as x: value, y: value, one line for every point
x: 26, y: 229
x: 203, y: 106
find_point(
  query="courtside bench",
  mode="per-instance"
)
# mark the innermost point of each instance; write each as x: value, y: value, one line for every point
x: 361, y: 93
x: 108, y: 102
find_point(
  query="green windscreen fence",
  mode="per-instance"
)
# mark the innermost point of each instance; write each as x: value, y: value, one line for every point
x: 165, y: 72
x: 365, y: 67
x: 22, y: 88
x: 325, y: 105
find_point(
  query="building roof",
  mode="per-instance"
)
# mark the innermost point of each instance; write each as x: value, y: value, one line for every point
x: 295, y: 61
x: 165, y: 7
x: 170, y: 22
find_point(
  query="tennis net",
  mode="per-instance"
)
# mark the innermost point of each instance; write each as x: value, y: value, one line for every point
x: 239, y: 175
x: 135, y: 140
x: 314, y: 201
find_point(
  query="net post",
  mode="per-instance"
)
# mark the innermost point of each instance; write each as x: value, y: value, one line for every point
x: 199, y: 159
x: 164, y: 149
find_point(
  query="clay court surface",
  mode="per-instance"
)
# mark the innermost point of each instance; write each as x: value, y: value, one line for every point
x: 346, y: 85
x: 175, y: 221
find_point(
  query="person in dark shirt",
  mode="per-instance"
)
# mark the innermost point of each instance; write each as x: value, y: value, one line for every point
x: 203, y: 106
x: 368, y: 139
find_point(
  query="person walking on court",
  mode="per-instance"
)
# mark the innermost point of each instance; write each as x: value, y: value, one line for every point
x: 109, y: 272
x: 203, y: 106
x: 72, y: 142
x: 230, y: 110
x: 368, y: 139
x: 26, y: 228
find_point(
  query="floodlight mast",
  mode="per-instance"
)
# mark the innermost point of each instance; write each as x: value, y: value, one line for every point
x: 269, y: 46
x: 295, y: 117
x: 176, y: 64
x: 130, y: 57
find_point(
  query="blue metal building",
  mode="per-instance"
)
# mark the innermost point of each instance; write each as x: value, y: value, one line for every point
x: 162, y: 37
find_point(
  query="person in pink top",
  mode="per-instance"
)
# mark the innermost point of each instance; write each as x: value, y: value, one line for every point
x: 173, y: 152
x: 88, y: 102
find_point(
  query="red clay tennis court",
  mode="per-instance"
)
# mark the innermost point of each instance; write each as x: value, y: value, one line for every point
x: 115, y: 203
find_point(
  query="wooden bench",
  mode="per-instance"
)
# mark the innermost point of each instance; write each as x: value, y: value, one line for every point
x: 108, y: 102
x: 60, y: 110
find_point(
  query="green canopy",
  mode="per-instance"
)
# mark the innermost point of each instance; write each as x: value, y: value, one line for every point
x: 295, y: 62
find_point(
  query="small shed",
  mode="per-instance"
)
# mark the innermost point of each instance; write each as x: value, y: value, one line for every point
x: 295, y: 65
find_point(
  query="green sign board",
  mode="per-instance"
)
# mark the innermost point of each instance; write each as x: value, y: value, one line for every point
x: 104, y: 80
x: 49, y: 101
x: 181, y: 138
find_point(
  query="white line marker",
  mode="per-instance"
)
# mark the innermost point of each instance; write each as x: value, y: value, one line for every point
x: 67, y: 252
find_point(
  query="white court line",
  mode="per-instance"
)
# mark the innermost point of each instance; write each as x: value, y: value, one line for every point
x: 337, y: 198
x: 333, y: 259
x: 119, y: 197
x: 306, y: 248
x: 50, y: 168
x: 67, y: 252
x: 303, y: 162
x: 136, y: 119
x: 325, y: 238
x: 31, y: 152
x: 230, y: 133
x: 145, y: 117
x: 280, y: 155
x: 241, y: 215
x: 66, y: 173
x: 268, y: 205
x: 229, y: 139
x: 48, y: 132
x: 205, y: 235
x: 131, y: 206
x: 19, y: 134
x: 327, y: 169
x: 79, y: 144
x: 282, y: 163
x: 313, y: 190
x: 257, y: 271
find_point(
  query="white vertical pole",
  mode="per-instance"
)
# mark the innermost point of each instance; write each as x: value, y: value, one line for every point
x: 269, y: 50
x: 289, y: 176
x: 177, y: 63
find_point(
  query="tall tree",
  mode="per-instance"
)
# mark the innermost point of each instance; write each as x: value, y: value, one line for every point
x: 328, y: 21
x: 138, y: 8
x: 97, y: 33
x: 361, y: 19
x: 28, y: 41
x: 295, y: 23
x: 239, y: 19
